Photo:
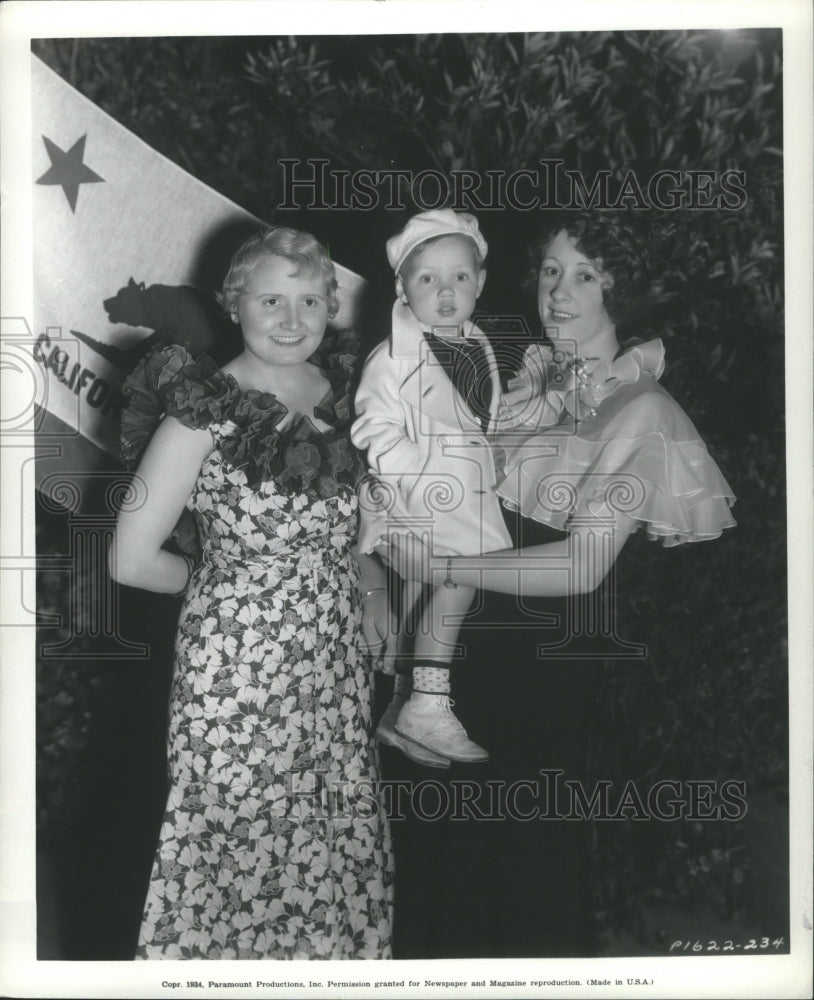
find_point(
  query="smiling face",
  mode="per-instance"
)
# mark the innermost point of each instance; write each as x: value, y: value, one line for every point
x: 570, y: 297
x: 282, y: 315
x: 441, y: 282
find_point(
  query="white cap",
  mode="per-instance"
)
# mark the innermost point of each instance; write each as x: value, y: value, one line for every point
x: 425, y: 226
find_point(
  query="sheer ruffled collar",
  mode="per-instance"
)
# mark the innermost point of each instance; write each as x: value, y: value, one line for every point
x: 553, y: 385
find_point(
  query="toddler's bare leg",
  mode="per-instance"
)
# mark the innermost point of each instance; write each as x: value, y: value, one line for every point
x: 411, y: 594
x: 427, y: 717
x: 403, y: 685
x: 440, y: 623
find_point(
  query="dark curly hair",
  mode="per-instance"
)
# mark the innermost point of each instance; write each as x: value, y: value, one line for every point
x: 610, y: 238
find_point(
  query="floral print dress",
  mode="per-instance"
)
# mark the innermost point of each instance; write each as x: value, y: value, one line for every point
x: 273, y: 843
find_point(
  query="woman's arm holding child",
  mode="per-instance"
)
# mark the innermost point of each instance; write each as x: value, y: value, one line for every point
x: 574, y: 565
x: 378, y: 620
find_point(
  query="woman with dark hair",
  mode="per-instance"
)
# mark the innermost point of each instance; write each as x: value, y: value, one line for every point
x: 625, y: 454
x: 625, y: 252
x: 266, y: 850
x: 592, y: 449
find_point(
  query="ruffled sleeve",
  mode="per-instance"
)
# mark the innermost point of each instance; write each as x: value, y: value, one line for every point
x: 640, y: 457
x: 168, y: 381
x: 338, y: 357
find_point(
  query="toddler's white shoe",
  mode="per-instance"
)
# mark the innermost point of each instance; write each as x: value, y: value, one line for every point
x: 427, y: 719
x: 386, y: 733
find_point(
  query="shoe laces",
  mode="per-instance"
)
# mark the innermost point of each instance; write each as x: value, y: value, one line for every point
x: 446, y: 705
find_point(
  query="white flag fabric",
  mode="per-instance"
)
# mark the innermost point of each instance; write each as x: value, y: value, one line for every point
x: 127, y: 246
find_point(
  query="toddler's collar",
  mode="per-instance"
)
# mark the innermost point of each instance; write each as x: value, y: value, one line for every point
x: 408, y: 333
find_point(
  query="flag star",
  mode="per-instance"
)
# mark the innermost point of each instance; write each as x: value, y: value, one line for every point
x: 68, y: 170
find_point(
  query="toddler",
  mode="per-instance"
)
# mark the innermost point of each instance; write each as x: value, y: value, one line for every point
x: 426, y: 405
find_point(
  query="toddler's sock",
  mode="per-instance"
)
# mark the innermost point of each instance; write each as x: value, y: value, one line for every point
x: 431, y: 677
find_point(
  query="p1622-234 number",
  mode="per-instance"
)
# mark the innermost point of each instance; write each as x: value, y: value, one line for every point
x: 753, y: 944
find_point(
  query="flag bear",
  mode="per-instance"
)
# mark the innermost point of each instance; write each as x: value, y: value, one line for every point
x: 177, y: 314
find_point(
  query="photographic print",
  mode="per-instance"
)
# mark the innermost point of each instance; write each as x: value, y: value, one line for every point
x: 403, y: 529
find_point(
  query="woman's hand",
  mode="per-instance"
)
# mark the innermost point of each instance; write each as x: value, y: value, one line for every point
x: 379, y: 629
